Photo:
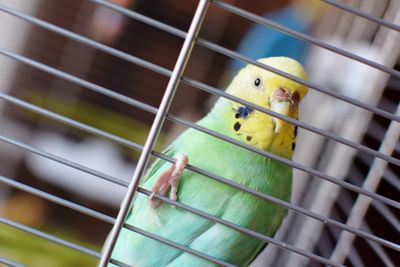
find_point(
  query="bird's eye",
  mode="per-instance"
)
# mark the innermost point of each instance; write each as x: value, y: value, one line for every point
x: 257, y: 83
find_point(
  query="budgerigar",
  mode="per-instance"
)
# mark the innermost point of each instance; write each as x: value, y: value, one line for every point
x: 214, y: 155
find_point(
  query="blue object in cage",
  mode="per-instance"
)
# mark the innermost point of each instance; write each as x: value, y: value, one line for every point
x: 261, y: 41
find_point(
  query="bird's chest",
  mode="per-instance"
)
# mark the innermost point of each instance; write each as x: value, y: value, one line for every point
x: 238, y: 165
x: 228, y: 162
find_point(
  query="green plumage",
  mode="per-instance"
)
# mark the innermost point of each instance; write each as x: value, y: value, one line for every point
x: 227, y: 160
x: 231, y: 162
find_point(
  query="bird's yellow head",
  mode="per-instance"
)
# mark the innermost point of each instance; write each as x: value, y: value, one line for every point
x: 273, y: 92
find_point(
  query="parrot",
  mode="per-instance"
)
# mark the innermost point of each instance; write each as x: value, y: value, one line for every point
x: 240, y: 122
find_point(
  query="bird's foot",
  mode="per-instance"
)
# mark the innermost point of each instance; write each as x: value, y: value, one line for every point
x: 169, y: 179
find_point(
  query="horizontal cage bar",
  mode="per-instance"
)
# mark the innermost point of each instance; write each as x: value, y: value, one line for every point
x: 10, y: 263
x: 215, y: 134
x: 202, y: 172
x: 363, y: 14
x: 97, y: 215
x: 49, y: 237
x: 270, y: 155
x: 186, y: 123
x: 266, y: 22
x: 209, y: 89
x: 241, y: 229
x: 176, y: 245
x: 237, y: 56
x: 55, y: 199
x: 109, y: 219
x: 166, y: 72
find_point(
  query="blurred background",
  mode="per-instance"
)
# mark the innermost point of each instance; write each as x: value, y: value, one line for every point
x: 104, y: 25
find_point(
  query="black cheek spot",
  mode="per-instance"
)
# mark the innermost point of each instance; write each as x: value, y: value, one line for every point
x: 293, y: 146
x: 237, y: 126
x: 248, y: 138
x: 237, y: 115
x: 295, y: 131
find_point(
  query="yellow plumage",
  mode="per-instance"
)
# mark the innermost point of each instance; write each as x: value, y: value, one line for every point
x: 258, y: 129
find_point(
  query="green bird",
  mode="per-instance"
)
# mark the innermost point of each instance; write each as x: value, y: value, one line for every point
x: 237, y: 164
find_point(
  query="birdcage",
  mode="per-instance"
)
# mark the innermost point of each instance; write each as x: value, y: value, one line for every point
x: 93, y: 90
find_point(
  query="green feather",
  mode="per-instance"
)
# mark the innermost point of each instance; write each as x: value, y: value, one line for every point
x: 224, y: 159
x: 231, y: 162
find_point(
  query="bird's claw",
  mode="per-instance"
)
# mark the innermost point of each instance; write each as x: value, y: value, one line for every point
x: 169, y: 179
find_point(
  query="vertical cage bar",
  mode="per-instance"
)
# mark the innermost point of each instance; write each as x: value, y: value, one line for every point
x: 172, y: 86
x: 360, y: 207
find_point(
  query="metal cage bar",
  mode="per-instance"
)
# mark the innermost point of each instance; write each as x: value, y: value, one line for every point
x: 152, y: 109
x: 247, y: 60
x: 167, y: 73
x: 49, y: 237
x: 80, y: 125
x: 97, y: 215
x: 189, y: 167
x: 371, y: 182
x: 344, y: 204
x: 176, y: 245
x: 241, y: 229
x: 200, y: 41
x: 309, y: 214
x: 109, y: 219
x: 162, y: 114
x: 305, y: 37
x: 55, y: 199
x: 200, y: 86
x: 362, y: 14
x: 166, y: 101
x: 217, y: 135
x: 114, y: 180
x: 10, y: 263
x: 98, y: 132
x: 215, y: 91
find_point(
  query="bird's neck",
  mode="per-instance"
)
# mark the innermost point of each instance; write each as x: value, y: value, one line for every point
x: 220, y: 119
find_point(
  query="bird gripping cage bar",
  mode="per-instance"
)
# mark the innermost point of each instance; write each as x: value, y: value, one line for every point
x: 166, y: 101
x: 199, y: 85
x: 162, y: 113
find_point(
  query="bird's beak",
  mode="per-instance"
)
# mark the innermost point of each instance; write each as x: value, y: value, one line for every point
x: 283, y: 102
x: 283, y: 108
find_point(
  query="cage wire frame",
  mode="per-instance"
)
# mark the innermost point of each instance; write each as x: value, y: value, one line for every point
x: 349, y: 29
x: 382, y: 156
x: 343, y: 158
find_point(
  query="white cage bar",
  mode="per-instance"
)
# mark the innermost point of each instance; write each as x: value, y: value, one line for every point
x: 366, y: 194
